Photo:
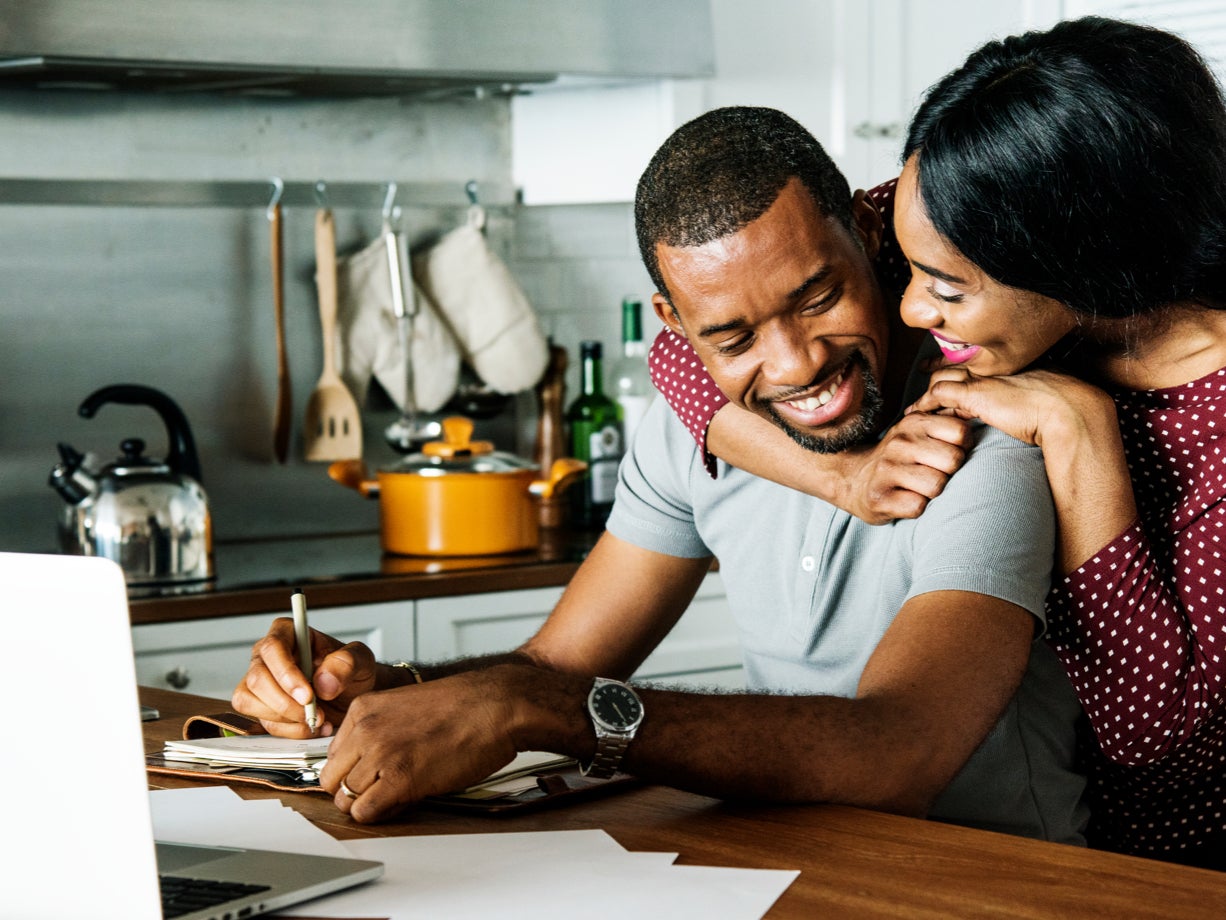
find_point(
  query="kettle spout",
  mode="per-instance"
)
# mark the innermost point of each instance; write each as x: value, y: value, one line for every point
x: 70, y: 478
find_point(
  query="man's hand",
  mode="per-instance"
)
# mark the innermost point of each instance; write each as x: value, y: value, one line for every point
x: 398, y: 746
x: 897, y: 477
x: 274, y: 689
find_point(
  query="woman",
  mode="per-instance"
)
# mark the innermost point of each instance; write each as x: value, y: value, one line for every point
x: 1063, y: 201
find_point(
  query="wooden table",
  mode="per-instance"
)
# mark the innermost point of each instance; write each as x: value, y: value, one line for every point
x: 852, y: 862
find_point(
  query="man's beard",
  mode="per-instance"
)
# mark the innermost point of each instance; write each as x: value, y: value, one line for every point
x: 853, y: 433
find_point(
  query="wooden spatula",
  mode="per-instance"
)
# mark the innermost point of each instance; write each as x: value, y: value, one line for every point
x: 333, y: 426
x: 284, y: 404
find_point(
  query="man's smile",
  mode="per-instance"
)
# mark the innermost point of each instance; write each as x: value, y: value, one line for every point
x: 821, y: 405
x: 809, y: 403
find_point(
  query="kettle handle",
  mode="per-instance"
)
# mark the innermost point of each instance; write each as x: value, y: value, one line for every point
x: 182, y: 457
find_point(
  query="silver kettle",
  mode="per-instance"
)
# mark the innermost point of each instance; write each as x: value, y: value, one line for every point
x: 151, y: 516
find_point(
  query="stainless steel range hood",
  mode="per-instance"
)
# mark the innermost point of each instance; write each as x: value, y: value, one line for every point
x: 347, y: 47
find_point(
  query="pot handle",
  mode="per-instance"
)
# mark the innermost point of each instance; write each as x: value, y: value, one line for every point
x: 564, y: 472
x: 352, y: 473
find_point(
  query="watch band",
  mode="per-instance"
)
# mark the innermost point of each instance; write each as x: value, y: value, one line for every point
x: 608, y: 757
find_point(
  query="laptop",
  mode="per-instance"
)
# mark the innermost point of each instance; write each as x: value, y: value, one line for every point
x: 72, y: 768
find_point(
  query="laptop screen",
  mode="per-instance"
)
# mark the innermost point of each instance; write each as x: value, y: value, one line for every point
x: 77, y: 805
x: 73, y: 768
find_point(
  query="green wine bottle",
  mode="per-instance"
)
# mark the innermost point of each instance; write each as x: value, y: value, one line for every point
x: 596, y: 439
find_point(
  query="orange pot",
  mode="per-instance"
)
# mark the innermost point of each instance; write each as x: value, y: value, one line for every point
x: 458, y: 497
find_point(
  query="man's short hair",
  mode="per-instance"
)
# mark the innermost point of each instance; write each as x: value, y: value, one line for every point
x: 722, y: 171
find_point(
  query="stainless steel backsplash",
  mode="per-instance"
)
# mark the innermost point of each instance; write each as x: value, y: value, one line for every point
x: 179, y: 298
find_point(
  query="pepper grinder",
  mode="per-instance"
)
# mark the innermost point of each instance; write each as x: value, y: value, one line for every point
x: 550, y: 431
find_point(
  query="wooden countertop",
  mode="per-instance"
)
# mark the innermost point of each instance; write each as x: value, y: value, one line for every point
x: 852, y: 862
x: 255, y: 576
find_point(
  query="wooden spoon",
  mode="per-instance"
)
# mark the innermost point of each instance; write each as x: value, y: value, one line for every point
x: 333, y: 427
x: 284, y: 405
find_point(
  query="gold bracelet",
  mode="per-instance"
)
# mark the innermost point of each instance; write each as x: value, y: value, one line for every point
x: 412, y: 669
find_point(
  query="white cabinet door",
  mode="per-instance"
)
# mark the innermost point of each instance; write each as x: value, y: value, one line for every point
x: 702, y: 650
x: 851, y: 71
x: 480, y: 624
x: 209, y: 657
x: 894, y: 51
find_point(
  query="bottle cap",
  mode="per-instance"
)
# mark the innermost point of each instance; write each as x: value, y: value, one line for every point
x: 590, y: 349
x: 632, y: 319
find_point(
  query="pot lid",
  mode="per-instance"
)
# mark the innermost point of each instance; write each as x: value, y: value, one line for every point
x: 458, y: 453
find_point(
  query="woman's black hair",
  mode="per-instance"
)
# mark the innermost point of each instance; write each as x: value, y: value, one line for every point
x: 1086, y: 163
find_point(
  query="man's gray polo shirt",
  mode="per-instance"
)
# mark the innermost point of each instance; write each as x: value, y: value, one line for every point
x: 813, y: 589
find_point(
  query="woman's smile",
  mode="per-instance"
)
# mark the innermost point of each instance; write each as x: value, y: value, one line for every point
x: 978, y: 322
x: 955, y: 352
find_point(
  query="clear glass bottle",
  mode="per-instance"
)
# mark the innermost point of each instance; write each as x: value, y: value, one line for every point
x: 632, y: 388
x: 595, y: 438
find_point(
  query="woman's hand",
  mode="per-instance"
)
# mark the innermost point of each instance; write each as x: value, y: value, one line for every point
x: 1075, y: 424
x: 1032, y: 406
x: 897, y: 476
x: 889, y: 479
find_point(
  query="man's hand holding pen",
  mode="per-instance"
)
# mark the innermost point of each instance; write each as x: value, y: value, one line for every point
x: 306, y: 662
x: 276, y: 689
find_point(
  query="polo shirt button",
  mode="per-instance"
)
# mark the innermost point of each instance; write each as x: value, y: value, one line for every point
x: 808, y: 563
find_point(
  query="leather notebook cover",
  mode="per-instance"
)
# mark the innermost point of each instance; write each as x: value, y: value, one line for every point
x: 221, y: 725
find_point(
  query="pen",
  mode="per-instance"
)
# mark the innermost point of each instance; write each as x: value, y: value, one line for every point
x: 302, y: 635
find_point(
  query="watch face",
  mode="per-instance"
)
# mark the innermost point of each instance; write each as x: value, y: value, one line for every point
x: 615, y: 707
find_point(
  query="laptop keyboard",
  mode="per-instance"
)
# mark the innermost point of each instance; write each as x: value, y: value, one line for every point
x: 183, y: 895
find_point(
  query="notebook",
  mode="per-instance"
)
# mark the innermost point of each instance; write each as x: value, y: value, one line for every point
x: 76, y: 815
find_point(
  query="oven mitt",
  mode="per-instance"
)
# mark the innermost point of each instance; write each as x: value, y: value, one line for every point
x: 370, y: 341
x: 486, y: 309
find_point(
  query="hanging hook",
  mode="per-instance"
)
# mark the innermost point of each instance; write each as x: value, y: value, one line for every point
x: 321, y: 193
x: 278, y: 187
x: 476, y: 213
x: 389, y: 208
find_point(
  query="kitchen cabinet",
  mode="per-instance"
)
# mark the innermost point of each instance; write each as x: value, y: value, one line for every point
x: 851, y: 71
x: 891, y: 57
x: 208, y: 656
x: 702, y: 650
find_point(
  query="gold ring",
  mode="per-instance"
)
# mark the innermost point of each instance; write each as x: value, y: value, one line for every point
x: 345, y: 790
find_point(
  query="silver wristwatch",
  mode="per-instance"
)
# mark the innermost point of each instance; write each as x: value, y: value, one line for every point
x: 617, y: 713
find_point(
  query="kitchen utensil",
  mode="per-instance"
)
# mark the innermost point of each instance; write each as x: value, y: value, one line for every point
x: 333, y: 426
x: 406, y: 434
x: 284, y: 406
x: 458, y: 497
x: 550, y: 428
x: 150, y: 516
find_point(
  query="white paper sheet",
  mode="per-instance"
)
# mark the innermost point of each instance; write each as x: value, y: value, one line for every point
x: 544, y: 875
x: 218, y: 816
x: 509, y: 875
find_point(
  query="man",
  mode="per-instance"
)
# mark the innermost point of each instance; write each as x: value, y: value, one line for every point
x: 892, y: 667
